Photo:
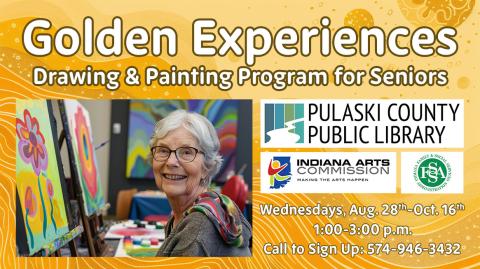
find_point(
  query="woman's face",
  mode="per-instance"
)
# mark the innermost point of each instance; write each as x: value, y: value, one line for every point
x: 174, y: 177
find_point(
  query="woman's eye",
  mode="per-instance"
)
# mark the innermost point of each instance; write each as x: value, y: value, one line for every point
x: 163, y: 151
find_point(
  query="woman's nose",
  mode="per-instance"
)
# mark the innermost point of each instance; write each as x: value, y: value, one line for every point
x: 172, y: 159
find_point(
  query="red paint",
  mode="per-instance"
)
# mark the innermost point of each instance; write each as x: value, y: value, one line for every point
x: 133, y: 232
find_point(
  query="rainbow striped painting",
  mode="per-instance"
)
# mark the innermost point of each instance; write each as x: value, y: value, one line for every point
x: 145, y: 113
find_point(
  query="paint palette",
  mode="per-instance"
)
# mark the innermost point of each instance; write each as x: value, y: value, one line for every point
x: 136, y: 229
x: 138, y: 246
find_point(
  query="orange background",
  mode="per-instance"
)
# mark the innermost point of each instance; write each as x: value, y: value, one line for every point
x: 463, y: 67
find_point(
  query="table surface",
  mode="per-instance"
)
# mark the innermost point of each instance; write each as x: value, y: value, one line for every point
x: 117, y: 232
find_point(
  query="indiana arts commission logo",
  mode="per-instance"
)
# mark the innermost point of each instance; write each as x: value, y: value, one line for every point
x: 432, y: 172
x: 279, y: 171
x: 284, y: 123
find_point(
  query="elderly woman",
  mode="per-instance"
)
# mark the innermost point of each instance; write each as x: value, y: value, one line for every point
x: 203, y: 223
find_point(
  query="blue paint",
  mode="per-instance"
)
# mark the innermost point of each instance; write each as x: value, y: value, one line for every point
x: 85, y: 147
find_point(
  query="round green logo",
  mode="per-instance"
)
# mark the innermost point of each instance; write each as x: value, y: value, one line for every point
x: 432, y: 172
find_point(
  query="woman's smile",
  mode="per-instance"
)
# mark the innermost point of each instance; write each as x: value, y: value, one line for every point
x: 174, y: 177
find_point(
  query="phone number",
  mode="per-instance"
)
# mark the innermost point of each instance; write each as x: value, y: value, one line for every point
x: 414, y: 248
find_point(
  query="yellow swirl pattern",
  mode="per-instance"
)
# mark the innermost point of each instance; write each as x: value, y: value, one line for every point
x: 15, y: 82
x: 436, y: 13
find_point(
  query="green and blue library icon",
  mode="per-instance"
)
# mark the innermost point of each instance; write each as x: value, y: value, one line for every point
x: 284, y: 123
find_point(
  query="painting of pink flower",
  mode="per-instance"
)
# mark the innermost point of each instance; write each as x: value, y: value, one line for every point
x: 30, y: 202
x: 50, y: 188
x: 31, y: 145
x: 85, y: 152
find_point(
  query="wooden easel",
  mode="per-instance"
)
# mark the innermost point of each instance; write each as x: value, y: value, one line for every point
x: 93, y: 225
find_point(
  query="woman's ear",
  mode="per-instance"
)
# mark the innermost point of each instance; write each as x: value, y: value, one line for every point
x: 204, y: 179
x: 204, y: 171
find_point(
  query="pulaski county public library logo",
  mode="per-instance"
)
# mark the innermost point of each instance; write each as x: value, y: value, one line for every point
x: 432, y: 172
x: 284, y: 123
x: 279, y: 171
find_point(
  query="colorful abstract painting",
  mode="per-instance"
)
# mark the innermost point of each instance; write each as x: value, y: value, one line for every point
x: 38, y: 177
x: 145, y: 113
x: 84, y: 158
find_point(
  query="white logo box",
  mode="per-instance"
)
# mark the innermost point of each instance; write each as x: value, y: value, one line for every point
x: 410, y: 185
x: 378, y: 183
x: 376, y: 131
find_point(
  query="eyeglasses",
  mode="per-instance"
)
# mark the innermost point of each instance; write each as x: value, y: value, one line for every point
x: 183, y: 154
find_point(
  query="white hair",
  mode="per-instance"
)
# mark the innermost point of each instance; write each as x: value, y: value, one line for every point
x: 200, y: 128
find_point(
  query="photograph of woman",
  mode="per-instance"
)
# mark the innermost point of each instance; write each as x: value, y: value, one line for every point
x: 185, y: 158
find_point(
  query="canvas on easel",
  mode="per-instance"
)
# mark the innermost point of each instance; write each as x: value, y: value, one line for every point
x: 83, y: 155
x: 38, y: 179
